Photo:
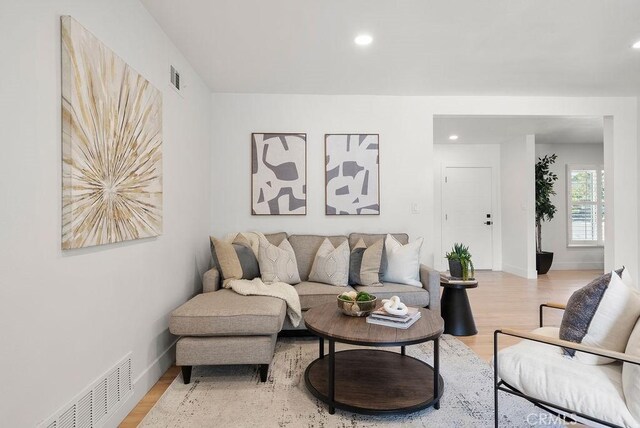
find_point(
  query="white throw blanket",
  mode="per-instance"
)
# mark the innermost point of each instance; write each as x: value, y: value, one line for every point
x: 286, y: 292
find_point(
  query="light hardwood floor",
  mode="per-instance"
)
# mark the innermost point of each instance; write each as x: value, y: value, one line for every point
x: 500, y: 301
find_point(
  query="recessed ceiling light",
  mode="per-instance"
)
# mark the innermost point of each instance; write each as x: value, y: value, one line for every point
x: 636, y: 45
x: 363, y: 39
x: 453, y: 137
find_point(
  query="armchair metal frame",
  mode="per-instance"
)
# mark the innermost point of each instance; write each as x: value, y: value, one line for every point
x: 554, y: 409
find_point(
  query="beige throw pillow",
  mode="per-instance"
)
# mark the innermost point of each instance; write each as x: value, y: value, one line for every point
x: 331, y: 265
x: 278, y: 263
x: 234, y: 260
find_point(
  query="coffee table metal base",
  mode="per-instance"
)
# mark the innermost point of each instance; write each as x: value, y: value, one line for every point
x: 374, y: 381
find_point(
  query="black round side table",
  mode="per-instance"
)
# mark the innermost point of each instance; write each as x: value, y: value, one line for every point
x: 455, y: 308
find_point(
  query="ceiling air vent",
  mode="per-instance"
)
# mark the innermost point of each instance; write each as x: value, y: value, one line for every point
x: 93, y: 407
x: 175, y: 78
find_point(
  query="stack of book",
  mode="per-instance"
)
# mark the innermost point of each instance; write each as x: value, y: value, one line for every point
x: 382, y: 317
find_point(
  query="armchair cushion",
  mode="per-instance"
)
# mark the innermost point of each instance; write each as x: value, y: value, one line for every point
x: 631, y: 374
x: 543, y: 372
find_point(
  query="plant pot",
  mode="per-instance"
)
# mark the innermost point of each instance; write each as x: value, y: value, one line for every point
x: 543, y: 262
x: 455, y: 268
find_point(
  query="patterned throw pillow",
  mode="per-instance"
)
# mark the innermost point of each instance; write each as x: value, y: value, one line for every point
x: 331, y: 265
x: 234, y: 260
x: 366, y: 264
x: 278, y: 263
x: 602, y: 314
x: 403, y: 261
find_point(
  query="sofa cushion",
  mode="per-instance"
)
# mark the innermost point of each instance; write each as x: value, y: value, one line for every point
x: 409, y: 295
x: 226, y: 313
x: 275, y: 238
x: 602, y: 315
x: 631, y: 374
x: 331, y: 265
x: 278, y: 263
x: 543, y: 372
x: 315, y: 293
x: 370, y: 238
x: 306, y: 247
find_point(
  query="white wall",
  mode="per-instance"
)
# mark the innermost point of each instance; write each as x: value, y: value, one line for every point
x: 466, y: 155
x: 517, y: 158
x: 405, y: 125
x: 67, y: 317
x: 405, y: 160
x: 554, y: 233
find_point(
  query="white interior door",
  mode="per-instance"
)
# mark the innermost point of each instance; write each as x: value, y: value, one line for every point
x: 467, y: 212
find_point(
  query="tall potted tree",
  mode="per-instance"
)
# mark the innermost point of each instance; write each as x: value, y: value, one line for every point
x: 545, y: 210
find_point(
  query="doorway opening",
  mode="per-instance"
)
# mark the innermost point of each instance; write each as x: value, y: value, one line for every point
x: 485, y: 190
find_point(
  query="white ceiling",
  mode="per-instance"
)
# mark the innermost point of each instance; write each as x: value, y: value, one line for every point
x: 421, y: 47
x: 500, y: 129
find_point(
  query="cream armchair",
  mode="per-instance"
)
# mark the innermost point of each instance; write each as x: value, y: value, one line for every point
x: 537, y: 370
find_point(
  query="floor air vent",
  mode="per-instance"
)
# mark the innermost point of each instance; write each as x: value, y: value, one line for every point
x: 95, y: 404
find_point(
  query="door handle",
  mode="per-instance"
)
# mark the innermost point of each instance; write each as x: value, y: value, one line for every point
x: 488, y: 223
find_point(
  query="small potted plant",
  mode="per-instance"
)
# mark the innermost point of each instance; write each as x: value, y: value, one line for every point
x: 545, y: 210
x: 460, y: 264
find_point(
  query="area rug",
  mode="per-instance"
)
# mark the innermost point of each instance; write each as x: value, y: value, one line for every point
x: 233, y: 396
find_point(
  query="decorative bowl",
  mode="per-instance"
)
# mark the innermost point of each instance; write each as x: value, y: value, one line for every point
x: 357, y: 309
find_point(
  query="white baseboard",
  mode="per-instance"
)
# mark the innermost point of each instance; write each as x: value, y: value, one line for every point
x: 577, y: 266
x: 143, y: 383
x: 515, y: 270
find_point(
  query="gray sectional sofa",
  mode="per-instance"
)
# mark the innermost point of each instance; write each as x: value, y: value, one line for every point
x: 222, y: 327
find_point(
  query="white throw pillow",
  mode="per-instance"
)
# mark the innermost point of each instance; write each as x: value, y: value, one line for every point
x: 331, y: 265
x: 631, y: 374
x: 278, y: 264
x: 613, y: 321
x: 403, y: 261
x: 627, y: 279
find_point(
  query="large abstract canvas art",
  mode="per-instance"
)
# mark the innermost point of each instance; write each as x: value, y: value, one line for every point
x: 278, y: 174
x: 111, y: 145
x: 352, y: 174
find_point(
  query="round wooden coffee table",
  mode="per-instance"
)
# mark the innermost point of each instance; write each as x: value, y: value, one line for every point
x: 373, y: 381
